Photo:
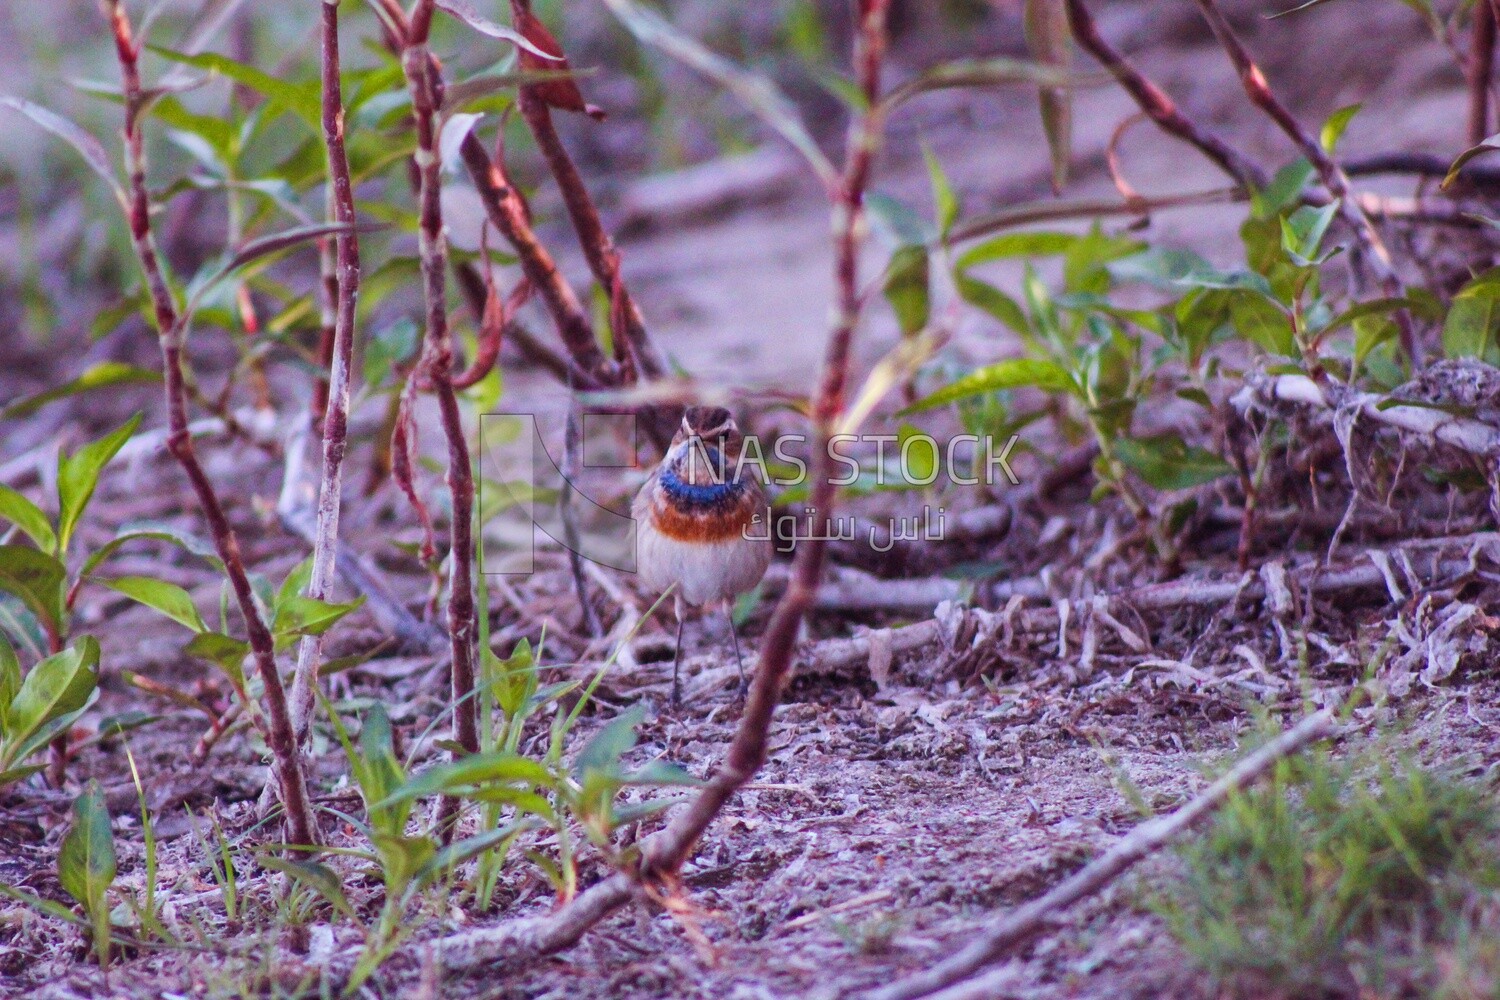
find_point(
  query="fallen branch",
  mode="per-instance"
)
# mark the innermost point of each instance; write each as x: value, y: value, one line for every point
x: 1438, y: 426
x: 1025, y: 922
x: 1425, y: 563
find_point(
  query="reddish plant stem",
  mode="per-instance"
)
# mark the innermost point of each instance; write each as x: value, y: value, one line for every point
x: 508, y: 212
x: 1376, y: 256
x: 598, y: 249
x: 1481, y: 69
x: 437, y: 363
x: 301, y: 825
x: 472, y: 285
x: 1157, y: 104
x: 342, y: 280
x: 664, y: 853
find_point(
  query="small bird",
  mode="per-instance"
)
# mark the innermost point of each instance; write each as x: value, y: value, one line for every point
x: 694, y: 518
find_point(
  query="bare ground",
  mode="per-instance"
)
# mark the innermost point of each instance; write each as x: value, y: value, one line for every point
x: 893, y: 814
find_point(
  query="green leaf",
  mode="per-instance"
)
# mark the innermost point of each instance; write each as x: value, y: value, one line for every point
x: 78, y: 474
x: 37, y: 579
x: 993, y: 72
x: 993, y: 301
x: 1036, y: 243
x: 898, y: 222
x: 28, y: 517
x: 298, y: 615
x: 103, y: 375
x: 514, y: 678
x: 56, y: 687
x: 919, y: 461
x: 86, y: 862
x: 755, y: 90
x: 150, y: 530
x: 224, y: 650
x: 1361, y: 310
x: 602, y: 753
x: 475, y: 770
x: 1263, y: 322
x: 1166, y: 462
x: 86, y: 145
x: 1302, y: 232
x: 1283, y: 191
x: 1472, y: 326
x: 168, y: 598
x: 1489, y: 145
x: 945, y: 205
x: 1175, y: 269
x: 387, y: 348
x: 301, y: 99
x: 1333, y: 128
x: 1015, y: 373
x: 906, y: 288
x: 10, y: 681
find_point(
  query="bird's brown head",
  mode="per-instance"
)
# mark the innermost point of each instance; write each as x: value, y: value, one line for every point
x: 707, y: 445
x: 714, y: 425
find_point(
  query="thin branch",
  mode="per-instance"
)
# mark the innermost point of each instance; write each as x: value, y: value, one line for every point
x: 1160, y: 107
x: 598, y: 249
x: 301, y: 825
x: 335, y: 418
x: 1022, y: 924
x: 437, y: 364
x: 507, y: 211
x: 1481, y: 69
x: 664, y: 852
x: 1376, y: 256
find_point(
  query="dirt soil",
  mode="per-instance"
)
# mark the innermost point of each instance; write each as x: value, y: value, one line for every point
x: 896, y: 812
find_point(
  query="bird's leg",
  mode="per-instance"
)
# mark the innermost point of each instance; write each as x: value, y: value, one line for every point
x: 677, y: 605
x: 735, y: 636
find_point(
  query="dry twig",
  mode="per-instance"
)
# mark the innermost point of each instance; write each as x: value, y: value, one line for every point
x: 1020, y: 925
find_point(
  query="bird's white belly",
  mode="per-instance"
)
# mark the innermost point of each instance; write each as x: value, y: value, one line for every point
x: 703, y: 571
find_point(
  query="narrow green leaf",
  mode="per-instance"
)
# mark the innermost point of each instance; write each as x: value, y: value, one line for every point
x: 78, y: 475
x: 756, y: 91
x: 906, y: 288
x: 38, y: 580
x: 1333, y: 128
x: 301, y: 99
x: 474, y: 770
x: 1166, y: 462
x: 168, y: 598
x: 28, y: 517
x: 86, y: 863
x: 945, y: 205
x: 149, y: 530
x: 603, y: 751
x: 86, y: 145
x: 299, y: 615
x: 55, y: 687
x: 1015, y: 373
x: 105, y: 374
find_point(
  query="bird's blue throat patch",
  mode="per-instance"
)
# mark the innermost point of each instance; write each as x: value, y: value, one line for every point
x: 694, y: 495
